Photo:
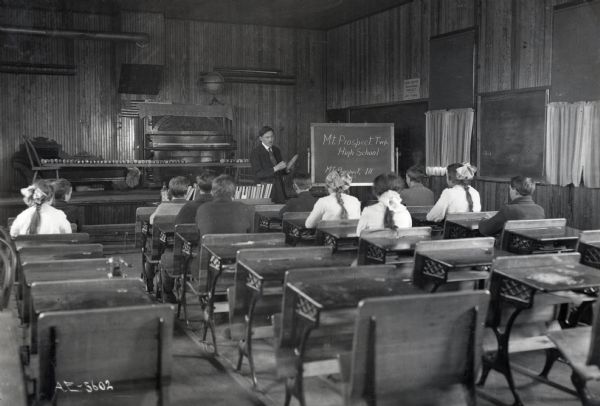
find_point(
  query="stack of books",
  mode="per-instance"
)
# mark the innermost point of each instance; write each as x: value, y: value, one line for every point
x: 261, y: 191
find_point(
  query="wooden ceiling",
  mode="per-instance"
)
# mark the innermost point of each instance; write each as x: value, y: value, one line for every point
x: 310, y: 14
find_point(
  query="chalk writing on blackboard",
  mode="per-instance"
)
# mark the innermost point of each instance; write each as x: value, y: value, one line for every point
x: 364, y: 150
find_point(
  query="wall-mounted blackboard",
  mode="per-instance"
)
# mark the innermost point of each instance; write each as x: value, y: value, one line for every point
x: 511, y: 134
x: 575, y: 53
x: 451, y: 70
x: 366, y: 150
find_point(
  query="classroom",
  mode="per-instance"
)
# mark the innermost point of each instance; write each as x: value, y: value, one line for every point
x: 316, y: 202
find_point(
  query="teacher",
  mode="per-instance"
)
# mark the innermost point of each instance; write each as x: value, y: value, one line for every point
x: 267, y: 165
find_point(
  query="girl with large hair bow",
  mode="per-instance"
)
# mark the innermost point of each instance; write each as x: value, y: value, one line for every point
x: 388, y: 212
x: 40, y: 217
x: 338, y: 205
x: 459, y: 197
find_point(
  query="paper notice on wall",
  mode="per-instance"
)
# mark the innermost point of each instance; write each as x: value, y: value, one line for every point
x: 412, y: 89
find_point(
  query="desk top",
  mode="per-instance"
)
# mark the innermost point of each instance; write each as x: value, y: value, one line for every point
x: 99, y: 271
x: 561, y: 275
x: 274, y: 269
x: 466, y: 257
x: 339, y: 232
x: 469, y: 224
x: 58, y: 255
x: 346, y: 293
x: 595, y: 244
x: 102, y: 296
x: 405, y: 243
x: 296, y: 222
x: 546, y: 234
x: 229, y: 251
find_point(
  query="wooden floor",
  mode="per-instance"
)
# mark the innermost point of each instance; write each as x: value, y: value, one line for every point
x: 202, y: 378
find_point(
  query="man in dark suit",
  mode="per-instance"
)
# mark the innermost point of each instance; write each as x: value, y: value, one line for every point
x: 268, y: 166
x: 521, y: 207
x: 305, y: 200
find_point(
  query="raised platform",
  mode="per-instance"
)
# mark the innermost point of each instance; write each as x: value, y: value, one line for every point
x: 102, y: 207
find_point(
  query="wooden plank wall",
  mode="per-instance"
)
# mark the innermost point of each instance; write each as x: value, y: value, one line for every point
x: 82, y: 112
x: 368, y: 60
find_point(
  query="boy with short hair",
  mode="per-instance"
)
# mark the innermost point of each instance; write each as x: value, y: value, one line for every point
x: 187, y: 214
x: 305, y: 200
x: 62, y: 194
x: 178, y: 187
x: 520, y: 207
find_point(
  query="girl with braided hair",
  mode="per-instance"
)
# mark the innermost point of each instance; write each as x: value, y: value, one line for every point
x: 459, y: 197
x: 388, y: 212
x: 40, y: 217
x: 338, y: 205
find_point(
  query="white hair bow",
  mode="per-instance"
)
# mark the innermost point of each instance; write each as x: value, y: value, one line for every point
x: 392, y: 200
x: 466, y: 171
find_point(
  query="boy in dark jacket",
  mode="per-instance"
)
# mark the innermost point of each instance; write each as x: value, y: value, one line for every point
x: 305, y: 200
x: 520, y: 207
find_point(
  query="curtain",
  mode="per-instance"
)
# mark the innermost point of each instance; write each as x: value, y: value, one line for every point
x: 573, y: 143
x: 448, y: 136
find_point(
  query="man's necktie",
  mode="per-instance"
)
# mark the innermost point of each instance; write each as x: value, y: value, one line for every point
x: 272, y: 157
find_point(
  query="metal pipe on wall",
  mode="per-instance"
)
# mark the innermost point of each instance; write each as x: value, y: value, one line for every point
x: 138, y: 37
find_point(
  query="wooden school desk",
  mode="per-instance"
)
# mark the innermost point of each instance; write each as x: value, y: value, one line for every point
x: 515, y: 282
x: 221, y: 251
x: 37, y: 240
x: 589, y: 248
x: 59, y: 251
x: 105, y: 356
x: 96, y: 268
x: 259, y: 286
x: 294, y: 229
x: 321, y: 303
x: 464, y: 225
x: 267, y: 218
x: 339, y: 234
x: 539, y: 236
x: 390, y: 246
x: 83, y: 294
x: 453, y: 261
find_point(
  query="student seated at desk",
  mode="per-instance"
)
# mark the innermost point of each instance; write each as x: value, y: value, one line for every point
x: 222, y: 215
x: 520, y: 207
x: 62, y: 194
x: 459, y: 197
x: 187, y: 214
x: 40, y: 217
x: 178, y: 187
x: 338, y: 205
x: 305, y: 200
x: 416, y: 194
x: 388, y: 212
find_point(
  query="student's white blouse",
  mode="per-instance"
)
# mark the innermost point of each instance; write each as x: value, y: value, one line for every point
x: 454, y: 200
x: 327, y: 208
x: 372, y: 218
x: 52, y: 221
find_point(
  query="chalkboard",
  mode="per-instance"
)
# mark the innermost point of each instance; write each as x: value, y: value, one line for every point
x: 511, y: 134
x: 451, y: 70
x: 365, y: 150
x: 575, y: 53
x: 409, y: 127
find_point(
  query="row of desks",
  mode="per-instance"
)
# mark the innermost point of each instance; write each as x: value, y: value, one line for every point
x: 260, y: 277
